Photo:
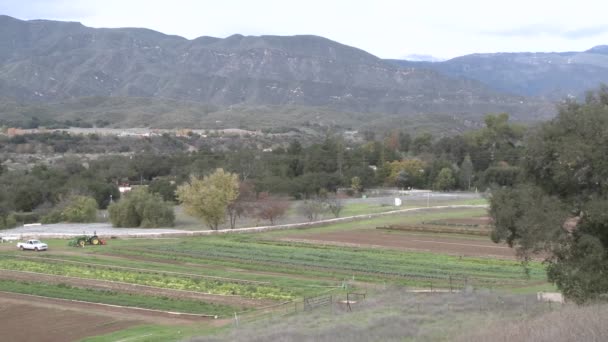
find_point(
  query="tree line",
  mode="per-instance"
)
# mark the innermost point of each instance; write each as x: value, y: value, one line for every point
x: 474, y: 159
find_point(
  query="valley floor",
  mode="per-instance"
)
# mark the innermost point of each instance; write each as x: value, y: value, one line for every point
x: 269, y: 279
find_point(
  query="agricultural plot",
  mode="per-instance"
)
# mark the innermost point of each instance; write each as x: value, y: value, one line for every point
x: 223, y: 274
x: 470, y: 226
x: 408, y: 241
x: 147, y: 301
x: 338, y: 263
x: 162, y: 280
x: 24, y: 319
x: 445, y: 232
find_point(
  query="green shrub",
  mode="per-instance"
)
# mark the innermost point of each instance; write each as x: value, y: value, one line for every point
x: 8, y: 221
x: 75, y: 209
x: 164, y: 188
x: 53, y: 217
x: 80, y: 209
x: 140, y: 208
x: 26, y: 217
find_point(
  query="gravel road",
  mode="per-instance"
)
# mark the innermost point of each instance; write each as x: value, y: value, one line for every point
x: 104, y: 229
x: 421, y: 199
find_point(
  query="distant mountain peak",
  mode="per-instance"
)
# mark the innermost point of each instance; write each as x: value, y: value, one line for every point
x: 600, y: 49
x: 547, y: 75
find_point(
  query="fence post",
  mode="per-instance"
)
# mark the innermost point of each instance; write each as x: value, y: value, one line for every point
x: 236, y: 320
x: 348, y: 302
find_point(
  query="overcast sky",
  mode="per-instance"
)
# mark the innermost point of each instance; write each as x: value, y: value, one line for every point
x: 385, y: 28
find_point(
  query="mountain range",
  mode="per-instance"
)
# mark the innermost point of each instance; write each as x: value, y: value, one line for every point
x: 64, y: 70
x: 548, y: 75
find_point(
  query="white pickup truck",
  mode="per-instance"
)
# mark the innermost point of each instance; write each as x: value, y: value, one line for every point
x: 34, y: 245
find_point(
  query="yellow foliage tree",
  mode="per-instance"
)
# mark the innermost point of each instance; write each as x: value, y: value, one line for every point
x: 208, y: 198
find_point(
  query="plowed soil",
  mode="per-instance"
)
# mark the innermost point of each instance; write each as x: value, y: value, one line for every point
x: 481, y: 221
x: 27, y: 318
x: 409, y: 241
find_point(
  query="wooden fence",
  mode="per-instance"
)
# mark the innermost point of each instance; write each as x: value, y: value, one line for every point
x: 284, y: 309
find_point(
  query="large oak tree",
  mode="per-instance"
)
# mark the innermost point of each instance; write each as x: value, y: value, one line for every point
x: 560, y: 206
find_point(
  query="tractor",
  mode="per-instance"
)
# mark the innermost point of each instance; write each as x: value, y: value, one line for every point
x: 84, y: 240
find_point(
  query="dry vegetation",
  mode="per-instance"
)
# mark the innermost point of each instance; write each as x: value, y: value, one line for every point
x: 570, y: 323
x: 396, y: 315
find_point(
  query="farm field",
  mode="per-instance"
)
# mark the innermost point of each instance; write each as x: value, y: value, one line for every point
x: 461, y: 246
x: 461, y: 236
x: 213, y: 277
x: 26, y: 318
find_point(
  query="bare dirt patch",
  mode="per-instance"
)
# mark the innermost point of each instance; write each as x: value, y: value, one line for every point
x: 404, y: 241
x: 430, y: 228
x: 27, y: 319
x: 471, y: 221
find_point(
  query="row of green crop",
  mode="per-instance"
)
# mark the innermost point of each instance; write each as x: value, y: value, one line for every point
x: 390, y: 262
x: 343, y: 260
x: 149, y: 279
x: 115, y: 298
x: 172, y: 263
x: 339, y: 275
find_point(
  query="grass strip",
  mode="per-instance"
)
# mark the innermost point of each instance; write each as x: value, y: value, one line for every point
x: 64, y: 291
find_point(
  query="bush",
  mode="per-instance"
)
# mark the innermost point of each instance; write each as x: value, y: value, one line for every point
x: 8, y: 221
x: 80, y: 209
x: 164, y: 188
x: 53, y: 217
x: 140, y: 208
x: 25, y: 218
x: 75, y: 209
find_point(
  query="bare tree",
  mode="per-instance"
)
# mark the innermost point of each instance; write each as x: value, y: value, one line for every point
x: 270, y: 208
x: 335, y: 204
x: 243, y: 203
x: 312, y: 208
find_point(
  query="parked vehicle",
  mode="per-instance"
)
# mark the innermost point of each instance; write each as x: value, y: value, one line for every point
x: 34, y: 245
